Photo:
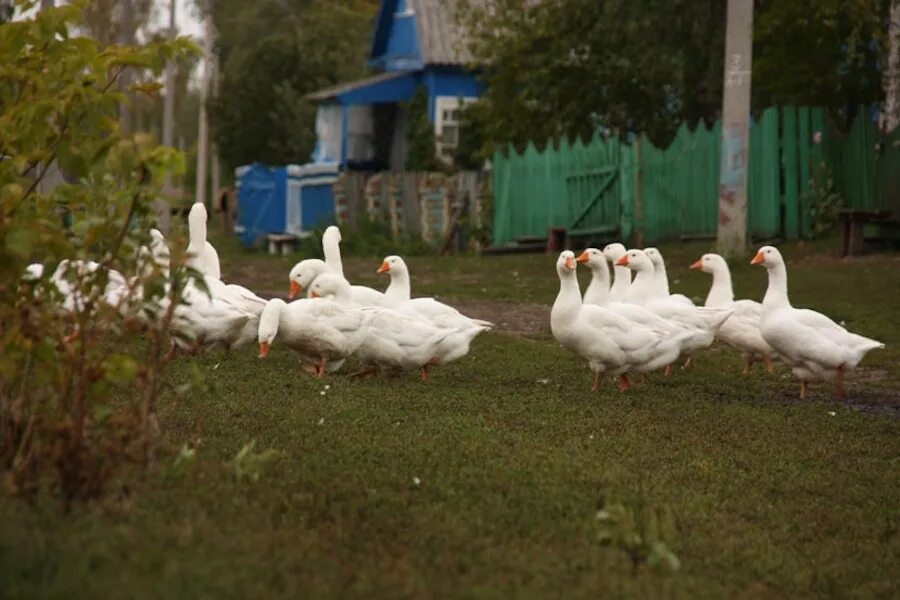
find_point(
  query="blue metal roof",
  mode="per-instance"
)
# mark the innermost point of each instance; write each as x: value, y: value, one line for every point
x: 393, y: 86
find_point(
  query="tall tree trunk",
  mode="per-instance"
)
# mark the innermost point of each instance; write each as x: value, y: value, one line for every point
x: 161, y: 205
x: 202, y: 129
x: 127, y: 39
x: 892, y: 72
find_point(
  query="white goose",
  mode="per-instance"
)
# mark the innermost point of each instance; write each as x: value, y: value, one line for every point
x: 321, y: 331
x: 613, y: 252
x: 597, y: 291
x: 201, y: 254
x: 705, y: 321
x: 741, y: 330
x: 397, y: 340
x: 206, y: 321
x: 398, y: 295
x: 608, y: 341
x: 813, y: 345
x: 661, y: 278
x: 595, y: 261
x: 331, y: 240
x: 304, y: 273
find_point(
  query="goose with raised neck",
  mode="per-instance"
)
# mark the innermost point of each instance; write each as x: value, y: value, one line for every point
x: 331, y: 241
x: 622, y: 280
x: 813, y: 345
x: 201, y: 254
x: 398, y: 296
x: 742, y: 330
x: 597, y: 291
x: 609, y: 342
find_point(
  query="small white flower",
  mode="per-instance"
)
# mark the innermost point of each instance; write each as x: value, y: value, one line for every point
x: 601, y: 515
x: 843, y: 323
x: 327, y: 387
x: 216, y: 366
x: 832, y: 413
x: 417, y: 481
x: 544, y: 381
x: 590, y: 437
x: 321, y: 420
x: 322, y: 393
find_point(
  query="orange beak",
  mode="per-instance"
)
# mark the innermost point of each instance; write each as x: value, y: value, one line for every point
x: 622, y: 262
x: 263, y: 349
x: 758, y: 258
x: 295, y: 289
x: 698, y: 264
x: 313, y: 295
x: 384, y: 268
x: 570, y: 262
x: 582, y: 258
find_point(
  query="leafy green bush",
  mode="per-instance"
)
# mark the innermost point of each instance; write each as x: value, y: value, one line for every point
x: 369, y: 238
x: 77, y: 391
x: 421, y: 153
x: 822, y: 201
x: 641, y: 532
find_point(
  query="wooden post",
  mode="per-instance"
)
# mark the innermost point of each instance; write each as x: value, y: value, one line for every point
x: 638, y: 196
x: 732, y: 229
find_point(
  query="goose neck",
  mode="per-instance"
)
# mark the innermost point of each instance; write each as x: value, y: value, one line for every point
x: 721, y: 292
x: 622, y: 280
x: 777, y: 292
x: 398, y: 290
x: 332, y: 250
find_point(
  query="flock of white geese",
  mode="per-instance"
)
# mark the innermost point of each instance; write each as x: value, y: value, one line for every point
x: 388, y: 330
x: 620, y: 326
x: 637, y: 326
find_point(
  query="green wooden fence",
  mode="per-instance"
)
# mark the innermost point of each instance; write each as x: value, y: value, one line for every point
x: 640, y: 192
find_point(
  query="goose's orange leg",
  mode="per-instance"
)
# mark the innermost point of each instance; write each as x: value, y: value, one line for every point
x: 598, y: 378
x: 624, y: 383
x: 768, y: 360
x: 668, y: 370
x: 839, y: 384
x: 804, y: 387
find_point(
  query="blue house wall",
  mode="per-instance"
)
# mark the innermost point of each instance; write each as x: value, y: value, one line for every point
x: 449, y: 81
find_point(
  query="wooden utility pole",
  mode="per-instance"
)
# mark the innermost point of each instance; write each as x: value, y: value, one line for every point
x: 892, y: 72
x: 732, y: 230
x: 202, y: 129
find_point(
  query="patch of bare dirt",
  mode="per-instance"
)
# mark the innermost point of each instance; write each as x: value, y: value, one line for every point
x: 870, y: 391
x: 519, y: 318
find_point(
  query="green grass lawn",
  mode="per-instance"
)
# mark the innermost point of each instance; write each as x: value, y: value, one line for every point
x: 489, y: 479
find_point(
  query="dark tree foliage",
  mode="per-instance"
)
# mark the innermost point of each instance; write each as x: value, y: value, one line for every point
x: 565, y: 67
x: 272, y: 54
x: 421, y: 153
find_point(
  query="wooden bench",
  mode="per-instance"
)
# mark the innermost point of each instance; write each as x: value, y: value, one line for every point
x: 282, y: 243
x: 853, y: 222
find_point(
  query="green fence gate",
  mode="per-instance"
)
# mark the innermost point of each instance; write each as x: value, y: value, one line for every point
x: 644, y: 193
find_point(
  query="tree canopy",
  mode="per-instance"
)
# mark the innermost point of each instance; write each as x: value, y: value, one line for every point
x: 272, y: 53
x: 566, y: 67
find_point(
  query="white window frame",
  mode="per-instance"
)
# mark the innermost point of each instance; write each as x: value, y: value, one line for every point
x: 447, y: 103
